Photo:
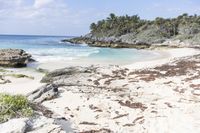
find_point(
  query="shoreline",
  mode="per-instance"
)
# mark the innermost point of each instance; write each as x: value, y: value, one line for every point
x: 19, y: 85
x: 164, y: 56
x: 85, y: 62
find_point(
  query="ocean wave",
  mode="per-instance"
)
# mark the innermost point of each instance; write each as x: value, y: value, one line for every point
x: 52, y: 54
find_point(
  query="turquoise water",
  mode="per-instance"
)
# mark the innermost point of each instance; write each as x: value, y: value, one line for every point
x: 49, y: 48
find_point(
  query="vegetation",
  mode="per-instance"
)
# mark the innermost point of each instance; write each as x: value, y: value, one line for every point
x: 3, y: 70
x: 20, y: 76
x: 13, y: 107
x: 121, y: 25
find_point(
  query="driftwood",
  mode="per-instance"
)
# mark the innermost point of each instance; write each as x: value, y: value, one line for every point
x: 46, y: 92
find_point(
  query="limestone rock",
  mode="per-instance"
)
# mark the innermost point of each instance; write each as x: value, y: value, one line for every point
x: 14, y: 58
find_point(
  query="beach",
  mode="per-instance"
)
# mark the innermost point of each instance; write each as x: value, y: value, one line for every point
x: 99, y: 66
x: 160, y: 95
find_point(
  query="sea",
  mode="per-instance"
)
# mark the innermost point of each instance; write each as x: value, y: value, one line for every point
x: 50, y: 48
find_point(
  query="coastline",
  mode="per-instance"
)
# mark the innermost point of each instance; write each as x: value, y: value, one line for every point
x: 162, y: 56
x: 85, y: 62
x: 19, y: 85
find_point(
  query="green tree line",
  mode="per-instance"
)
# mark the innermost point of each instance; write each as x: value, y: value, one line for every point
x: 120, y: 25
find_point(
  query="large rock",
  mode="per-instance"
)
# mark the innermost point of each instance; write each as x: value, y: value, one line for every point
x: 14, y: 58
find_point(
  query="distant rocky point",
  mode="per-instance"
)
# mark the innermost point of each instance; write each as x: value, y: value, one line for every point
x: 133, y: 32
x: 14, y: 58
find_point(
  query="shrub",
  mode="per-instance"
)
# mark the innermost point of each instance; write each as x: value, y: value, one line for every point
x: 20, y: 76
x: 14, y: 106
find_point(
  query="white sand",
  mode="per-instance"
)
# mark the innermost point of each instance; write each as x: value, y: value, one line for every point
x: 22, y: 85
x: 170, y: 54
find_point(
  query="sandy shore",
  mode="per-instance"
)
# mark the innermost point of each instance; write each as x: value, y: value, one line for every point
x: 162, y: 99
x: 169, y: 54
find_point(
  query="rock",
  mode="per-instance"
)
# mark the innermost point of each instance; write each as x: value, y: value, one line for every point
x: 3, y: 80
x: 66, y: 72
x: 14, y: 126
x: 189, y: 29
x: 14, y: 58
x: 85, y: 77
x: 41, y: 124
x: 71, y: 76
x: 36, y: 124
x: 46, y: 92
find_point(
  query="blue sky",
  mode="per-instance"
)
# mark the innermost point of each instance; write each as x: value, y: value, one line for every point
x: 73, y: 17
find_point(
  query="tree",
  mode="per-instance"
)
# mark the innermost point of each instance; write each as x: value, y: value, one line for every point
x: 112, y: 16
x: 120, y: 25
x: 93, y: 26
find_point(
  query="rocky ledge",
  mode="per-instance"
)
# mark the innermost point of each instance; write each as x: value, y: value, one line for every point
x: 14, y: 58
x: 108, y: 42
x: 126, y: 41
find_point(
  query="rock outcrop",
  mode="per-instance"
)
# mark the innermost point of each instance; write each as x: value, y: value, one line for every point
x: 85, y: 77
x: 71, y: 73
x: 14, y: 58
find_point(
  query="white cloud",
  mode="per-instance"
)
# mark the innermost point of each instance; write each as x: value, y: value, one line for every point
x: 4, y: 4
x: 42, y: 17
x: 21, y: 9
x: 42, y: 3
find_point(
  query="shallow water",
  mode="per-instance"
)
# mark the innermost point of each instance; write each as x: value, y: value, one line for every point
x: 50, y: 49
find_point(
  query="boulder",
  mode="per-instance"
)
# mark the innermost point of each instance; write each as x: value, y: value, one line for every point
x: 14, y: 58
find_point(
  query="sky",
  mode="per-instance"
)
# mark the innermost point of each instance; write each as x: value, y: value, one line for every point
x: 73, y: 17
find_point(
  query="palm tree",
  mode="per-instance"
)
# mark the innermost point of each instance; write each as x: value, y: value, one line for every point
x: 112, y: 16
x: 93, y: 26
x: 111, y: 19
